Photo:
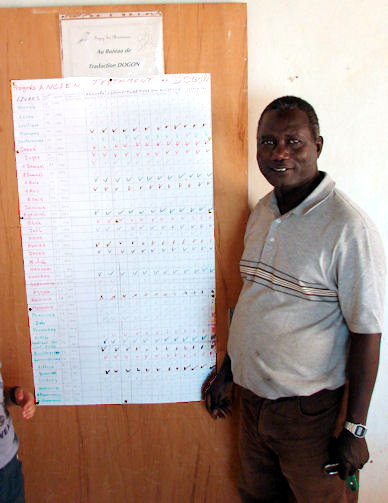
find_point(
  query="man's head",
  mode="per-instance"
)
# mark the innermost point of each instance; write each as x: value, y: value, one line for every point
x: 292, y: 103
x: 288, y: 143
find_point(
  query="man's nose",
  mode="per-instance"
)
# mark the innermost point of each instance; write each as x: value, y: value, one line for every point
x: 280, y: 152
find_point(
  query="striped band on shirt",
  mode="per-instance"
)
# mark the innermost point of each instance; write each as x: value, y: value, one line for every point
x: 265, y: 275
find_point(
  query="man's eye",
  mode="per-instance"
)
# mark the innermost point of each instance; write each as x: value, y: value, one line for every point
x: 267, y: 141
x: 294, y: 141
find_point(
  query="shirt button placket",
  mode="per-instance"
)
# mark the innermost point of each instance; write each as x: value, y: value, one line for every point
x: 275, y: 223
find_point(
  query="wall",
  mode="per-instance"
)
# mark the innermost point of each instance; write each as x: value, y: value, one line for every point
x: 332, y: 54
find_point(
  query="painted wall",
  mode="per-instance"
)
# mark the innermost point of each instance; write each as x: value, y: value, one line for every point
x: 332, y: 54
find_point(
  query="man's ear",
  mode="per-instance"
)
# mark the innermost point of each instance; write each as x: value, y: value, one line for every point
x: 319, y: 144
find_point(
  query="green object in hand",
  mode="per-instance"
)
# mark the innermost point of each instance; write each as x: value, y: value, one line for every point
x: 352, y: 481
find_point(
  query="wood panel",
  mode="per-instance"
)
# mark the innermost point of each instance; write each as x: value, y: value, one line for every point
x: 163, y: 453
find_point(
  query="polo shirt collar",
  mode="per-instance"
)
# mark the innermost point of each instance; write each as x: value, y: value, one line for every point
x: 317, y: 196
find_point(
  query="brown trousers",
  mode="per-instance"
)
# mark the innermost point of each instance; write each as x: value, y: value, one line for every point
x: 283, y: 447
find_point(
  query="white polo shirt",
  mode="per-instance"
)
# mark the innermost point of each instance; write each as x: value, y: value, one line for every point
x: 310, y: 276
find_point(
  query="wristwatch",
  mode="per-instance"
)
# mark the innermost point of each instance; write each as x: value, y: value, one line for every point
x: 358, y: 430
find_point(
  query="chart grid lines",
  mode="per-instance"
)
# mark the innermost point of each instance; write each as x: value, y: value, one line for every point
x: 116, y: 204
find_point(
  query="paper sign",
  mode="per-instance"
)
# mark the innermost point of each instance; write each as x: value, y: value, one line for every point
x: 114, y: 45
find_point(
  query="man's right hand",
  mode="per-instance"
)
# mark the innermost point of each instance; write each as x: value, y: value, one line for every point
x: 217, y: 394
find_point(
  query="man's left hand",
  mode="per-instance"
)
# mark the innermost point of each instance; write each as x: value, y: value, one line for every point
x: 350, y: 452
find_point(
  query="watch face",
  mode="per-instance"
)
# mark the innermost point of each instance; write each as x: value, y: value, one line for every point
x: 360, y: 431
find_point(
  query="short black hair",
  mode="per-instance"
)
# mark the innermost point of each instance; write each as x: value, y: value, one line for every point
x: 292, y: 103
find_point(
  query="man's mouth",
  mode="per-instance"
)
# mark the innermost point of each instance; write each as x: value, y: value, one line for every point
x: 279, y: 170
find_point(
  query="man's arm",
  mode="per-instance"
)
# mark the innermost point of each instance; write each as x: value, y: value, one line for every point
x: 363, y: 361
x: 363, y: 364
x: 21, y: 397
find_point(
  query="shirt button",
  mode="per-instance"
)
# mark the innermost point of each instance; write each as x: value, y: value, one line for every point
x: 278, y: 220
x: 272, y: 240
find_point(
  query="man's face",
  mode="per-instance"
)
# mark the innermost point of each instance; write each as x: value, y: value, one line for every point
x: 286, y: 150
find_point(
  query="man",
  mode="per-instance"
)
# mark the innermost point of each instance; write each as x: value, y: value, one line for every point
x: 309, y: 316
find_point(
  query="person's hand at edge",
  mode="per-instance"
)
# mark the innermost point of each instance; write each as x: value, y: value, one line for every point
x: 25, y: 399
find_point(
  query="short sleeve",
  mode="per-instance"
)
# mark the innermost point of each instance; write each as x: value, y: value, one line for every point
x: 361, y: 272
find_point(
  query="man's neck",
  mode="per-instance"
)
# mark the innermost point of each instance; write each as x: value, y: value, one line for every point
x: 293, y: 197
